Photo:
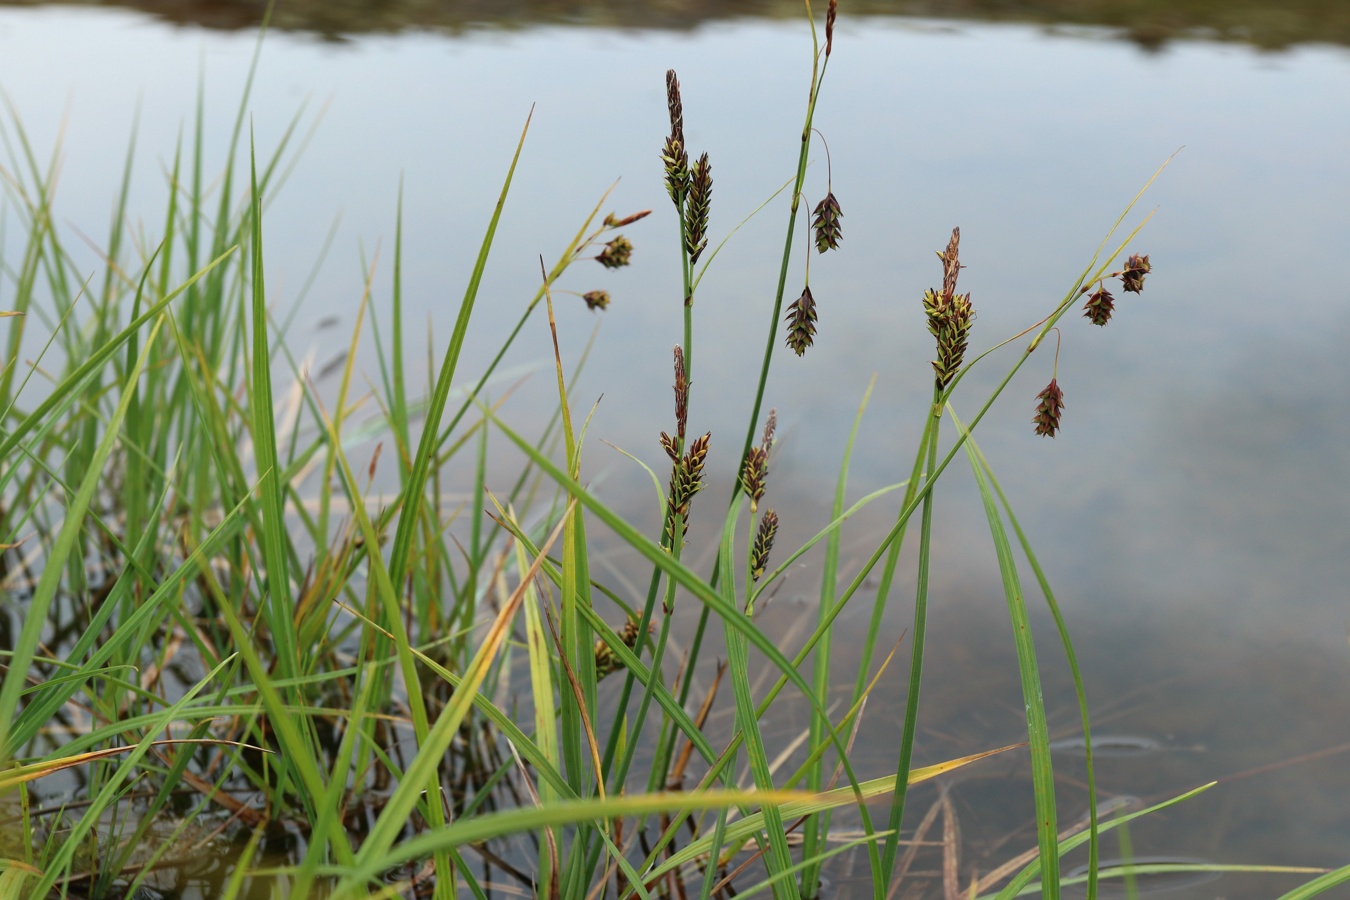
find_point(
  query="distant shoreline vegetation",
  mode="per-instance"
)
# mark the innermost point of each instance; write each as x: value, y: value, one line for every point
x: 1150, y: 23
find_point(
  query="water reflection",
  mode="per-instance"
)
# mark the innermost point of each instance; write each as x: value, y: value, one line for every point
x: 1150, y: 24
x: 1192, y: 513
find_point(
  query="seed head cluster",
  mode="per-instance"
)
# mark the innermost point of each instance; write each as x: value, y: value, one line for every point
x: 696, y: 210
x: 801, y: 322
x: 754, y: 477
x: 949, y: 315
x: 617, y: 253
x: 1049, y: 406
x: 764, y: 535
x: 596, y: 300
x: 606, y: 660
x: 826, y: 224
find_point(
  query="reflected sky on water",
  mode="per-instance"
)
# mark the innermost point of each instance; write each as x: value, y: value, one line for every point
x: 1193, y: 514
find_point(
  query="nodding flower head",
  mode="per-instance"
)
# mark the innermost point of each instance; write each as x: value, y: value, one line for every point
x: 1136, y: 267
x: 801, y: 319
x: 596, y: 300
x: 617, y: 253
x: 826, y: 223
x: 1099, y: 306
x: 1049, y: 406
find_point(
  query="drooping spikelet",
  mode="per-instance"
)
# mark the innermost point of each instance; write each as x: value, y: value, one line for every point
x: 1049, y: 406
x: 826, y: 224
x: 696, y: 212
x: 596, y: 300
x: 1099, y: 306
x: 763, y: 546
x: 801, y: 319
x: 617, y: 253
x: 754, y: 478
x: 1136, y: 267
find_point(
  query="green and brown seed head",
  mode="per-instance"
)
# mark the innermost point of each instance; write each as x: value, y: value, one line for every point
x: 828, y: 230
x: 755, y: 475
x: 763, y: 546
x: 1049, y: 407
x: 949, y: 314
x: 1136, y: 267
x: 1100, y: 304
x: 617, y: 253
x: 801, y: 322
x: 696, y: 212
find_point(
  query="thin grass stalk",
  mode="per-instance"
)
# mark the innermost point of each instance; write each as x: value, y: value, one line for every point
x: 815, y: 829
x: 1062, y: 626
x: 26, y: 644
x: 817, y: 77
x: 1038, y: 733
x: 779, y: 858
x: 917, y: 642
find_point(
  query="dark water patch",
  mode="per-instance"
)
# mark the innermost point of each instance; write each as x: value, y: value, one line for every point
x: 1149, y: 23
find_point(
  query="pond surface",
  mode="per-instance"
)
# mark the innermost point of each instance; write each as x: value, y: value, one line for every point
x: 1193, y: 514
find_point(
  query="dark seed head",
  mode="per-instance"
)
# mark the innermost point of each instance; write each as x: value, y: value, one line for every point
x: 1049, y: 406
x: 801, y: 319
x: 616, y: 253
x: 596, y: 300
x: 681, y: 392
x: 829, y: 26
x: 763, y: 546
x: 1099, y: 306
x: 696, y: 212
x: 1136, y: 267
x: 826, y: 224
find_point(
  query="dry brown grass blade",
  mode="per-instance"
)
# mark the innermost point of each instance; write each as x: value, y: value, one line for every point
x: 907, y: 859
x: 951, y: 847
x: 675, y: 781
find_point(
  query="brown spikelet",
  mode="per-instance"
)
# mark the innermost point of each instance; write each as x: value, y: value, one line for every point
x: 1099, y: 306
x: 1049, y: 405
x: 681, y: 393
x: 596, y: 300
x: 829, y: 25
x: 949, y: 315
x: 826, y: 224
x: 696, y: 212
x: 949, y: 320
x: 686, y: 480
x: 669, y: 445
x: 676, y: 160
x: 675, y: 105
x: 611, y: 221
x: 617, y: 253
x: 1136, y: 267
x: 801, y: 319
x: 606, y: 660
x: 951, y: 263
x: 755, y: 475
x: 763, y: 546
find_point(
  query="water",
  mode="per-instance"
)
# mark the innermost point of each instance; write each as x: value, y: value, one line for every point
x: 1192, y: 514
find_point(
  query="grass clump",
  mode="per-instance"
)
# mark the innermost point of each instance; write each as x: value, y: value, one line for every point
x: 220, y: 658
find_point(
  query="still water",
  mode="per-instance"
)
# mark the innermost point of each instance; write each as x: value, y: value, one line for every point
x: 1193, y: 514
